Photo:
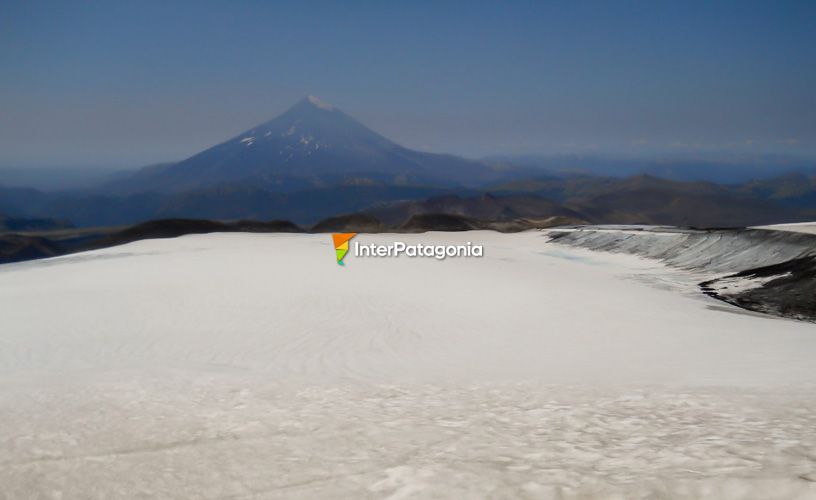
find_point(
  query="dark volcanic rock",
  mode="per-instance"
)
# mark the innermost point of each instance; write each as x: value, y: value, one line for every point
x: 488, y: 207
x: 525, y: 224
x: 645, y: 199
x: 439, y: 222
x: 164, y: 228
x: 355, y: 223
x: 273, y: 226
x: 16, y: 248
x: 766, y: 271
x: 171, y: 228
x: 787, y: 289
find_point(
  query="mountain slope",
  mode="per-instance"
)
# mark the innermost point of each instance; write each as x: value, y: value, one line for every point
x: 311, y: 145
x: 644, y: 199
x: 485, y: 207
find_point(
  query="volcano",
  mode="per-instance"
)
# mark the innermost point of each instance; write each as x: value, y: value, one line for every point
x: 313, y: 144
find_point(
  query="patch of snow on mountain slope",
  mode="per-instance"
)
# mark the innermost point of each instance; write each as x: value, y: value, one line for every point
x: 320, y: 104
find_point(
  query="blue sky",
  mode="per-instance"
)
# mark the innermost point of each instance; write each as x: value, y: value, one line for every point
x: 128, y: 83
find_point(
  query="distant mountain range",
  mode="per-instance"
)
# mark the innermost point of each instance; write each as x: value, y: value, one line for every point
x: 786, y: 197
x: 314, y: 162
x: 704, y: 167
x: 641, y: 199
x: 485, y: 207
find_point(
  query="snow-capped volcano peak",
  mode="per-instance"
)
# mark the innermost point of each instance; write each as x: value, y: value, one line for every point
x: 320, y: 104
x: 311, y: 142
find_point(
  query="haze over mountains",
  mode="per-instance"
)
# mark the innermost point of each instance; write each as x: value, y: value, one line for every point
x: 314, y: 161
x: 717, y: 167
x: 311, y: 145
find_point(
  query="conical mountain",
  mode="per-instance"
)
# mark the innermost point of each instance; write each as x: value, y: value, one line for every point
x: 312, y: 144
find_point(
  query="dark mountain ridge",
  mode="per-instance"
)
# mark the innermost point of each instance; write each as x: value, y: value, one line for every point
x: 708, y: 167
x: 636, y: 200
x: 487, y: 206
x: 645, y: 199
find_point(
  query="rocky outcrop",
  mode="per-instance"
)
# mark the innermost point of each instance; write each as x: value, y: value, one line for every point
x: 761, y: 270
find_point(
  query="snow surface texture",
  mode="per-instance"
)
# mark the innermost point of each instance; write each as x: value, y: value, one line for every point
x: 797, y: 227
x: 705, y: 251
x: 767, y: 271
x: 253, y: 366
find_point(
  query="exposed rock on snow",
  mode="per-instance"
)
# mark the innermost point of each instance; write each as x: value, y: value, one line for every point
x: 762, y: 270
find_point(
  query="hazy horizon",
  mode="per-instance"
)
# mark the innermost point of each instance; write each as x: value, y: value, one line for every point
x: 132, y: 84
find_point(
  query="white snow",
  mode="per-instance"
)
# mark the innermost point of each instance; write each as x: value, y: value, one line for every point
x: 253, y: 366
x: 320, y: 104
x: 734, y: 285
x: 710, y: 253
x: 797, y: 227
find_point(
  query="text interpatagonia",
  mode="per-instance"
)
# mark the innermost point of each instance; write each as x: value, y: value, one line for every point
x: 398, y: 248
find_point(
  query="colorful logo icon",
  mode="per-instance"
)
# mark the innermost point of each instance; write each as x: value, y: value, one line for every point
x: 341, y: 245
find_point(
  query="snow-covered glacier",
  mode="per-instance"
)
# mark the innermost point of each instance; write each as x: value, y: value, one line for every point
x: 253, y: 366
